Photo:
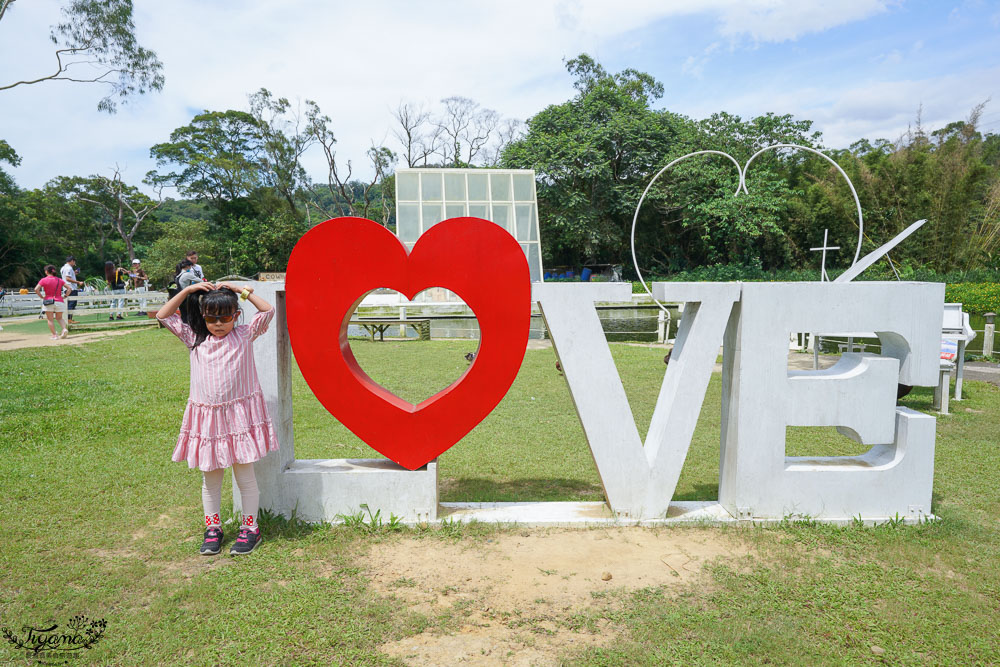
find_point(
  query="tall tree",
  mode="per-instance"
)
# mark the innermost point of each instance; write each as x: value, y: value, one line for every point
x: 284, y: 137
x: 125, y: 206
x: 466, y: 128
x: 219, y: 155
x: 95, y: 43
x: 592, y: 156
x: 17, y: 241
x: 348, y: 196
x: 419, y: 138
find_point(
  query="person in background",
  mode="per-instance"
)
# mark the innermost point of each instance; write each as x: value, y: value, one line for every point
x: 187, y: 275
x: 116, y: 278
x: 50, y: 290
x: 68, y: 273
x: 192, y: 256
x: 140, y: 281
x: 184, y: 278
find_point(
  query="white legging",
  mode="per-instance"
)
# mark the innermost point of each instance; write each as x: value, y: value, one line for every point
x: 211, y: 490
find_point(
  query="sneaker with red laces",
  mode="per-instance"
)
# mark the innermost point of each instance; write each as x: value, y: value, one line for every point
x: 213, y: 542
x: 246, y: 541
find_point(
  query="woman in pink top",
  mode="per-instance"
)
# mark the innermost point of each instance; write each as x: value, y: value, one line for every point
x: 226, y: 422
x: 51, y: 287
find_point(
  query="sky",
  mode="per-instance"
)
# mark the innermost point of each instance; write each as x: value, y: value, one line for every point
x: 856, y: 68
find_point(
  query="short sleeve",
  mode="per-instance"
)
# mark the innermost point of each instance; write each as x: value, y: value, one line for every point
x: 258, y: 325
x: 179, y: 329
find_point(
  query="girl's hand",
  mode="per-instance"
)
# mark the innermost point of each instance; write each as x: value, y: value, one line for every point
x: 236, y: 288
x: 203, y: 286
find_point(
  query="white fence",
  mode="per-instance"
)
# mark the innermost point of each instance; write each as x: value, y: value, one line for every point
x: 27, y: 304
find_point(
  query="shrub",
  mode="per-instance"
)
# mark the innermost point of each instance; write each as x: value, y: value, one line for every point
x: 975, y: 297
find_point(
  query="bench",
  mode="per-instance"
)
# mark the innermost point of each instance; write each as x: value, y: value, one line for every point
x: 956, y: 331
x: 379, y: 326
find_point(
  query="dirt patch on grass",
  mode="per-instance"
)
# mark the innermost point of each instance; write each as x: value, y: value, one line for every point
x: 517, y: 598
x: 15, y: 340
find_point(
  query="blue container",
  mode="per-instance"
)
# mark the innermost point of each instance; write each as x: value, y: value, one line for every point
x: 585, y: 275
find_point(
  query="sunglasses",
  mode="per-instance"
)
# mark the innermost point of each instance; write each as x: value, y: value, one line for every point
x: 225, y: 319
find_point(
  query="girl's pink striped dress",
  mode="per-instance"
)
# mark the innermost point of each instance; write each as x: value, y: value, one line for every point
x: 226, y: 418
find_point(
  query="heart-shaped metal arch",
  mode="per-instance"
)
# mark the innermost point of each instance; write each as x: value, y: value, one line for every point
x: 741, y: 186
x: 857, y: 202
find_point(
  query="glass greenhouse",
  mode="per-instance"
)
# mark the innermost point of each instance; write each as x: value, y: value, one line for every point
x: 425, y: 197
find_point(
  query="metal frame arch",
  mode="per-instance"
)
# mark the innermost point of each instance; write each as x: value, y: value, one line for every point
x: 635, y: 217
x: 857, y: 202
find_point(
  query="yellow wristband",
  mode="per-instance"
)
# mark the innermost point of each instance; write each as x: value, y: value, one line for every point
x: 244, y: 294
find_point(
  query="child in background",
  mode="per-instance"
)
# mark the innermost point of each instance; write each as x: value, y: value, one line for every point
x: 226, y: 421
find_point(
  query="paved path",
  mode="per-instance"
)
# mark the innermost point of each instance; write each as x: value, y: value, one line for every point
x: 982, y: 371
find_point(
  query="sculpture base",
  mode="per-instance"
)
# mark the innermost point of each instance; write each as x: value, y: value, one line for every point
x: 321, y: 490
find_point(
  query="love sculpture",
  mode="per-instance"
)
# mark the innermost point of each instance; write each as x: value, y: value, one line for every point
x: 339, y: 261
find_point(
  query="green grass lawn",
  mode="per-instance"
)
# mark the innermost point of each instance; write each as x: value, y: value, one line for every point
x: 97, y: 520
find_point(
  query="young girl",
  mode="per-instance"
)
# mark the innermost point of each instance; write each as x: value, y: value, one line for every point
x: 53, y: 287
x: 226, y: 422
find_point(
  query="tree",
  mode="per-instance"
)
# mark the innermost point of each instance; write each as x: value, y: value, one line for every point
x: 284, y: 137
x: 946, y: 176
x: 345, y: 197
x: 17, y: 241
x: 415, y: 133
x: 592, y: 156
x: 264, y: 244
x: 124, y: 205
x: 96, y: 44
x: 174, y: 240
x: 219, y: 153
x: 466, y: 128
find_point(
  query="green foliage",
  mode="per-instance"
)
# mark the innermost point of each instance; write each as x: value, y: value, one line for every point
x: 976, y: 298
x: 591, y: 155
x: 881, y: 271
x: 176, y: 239
x: 218, y: 154
x: 264, y: 244
x: 595, y: 154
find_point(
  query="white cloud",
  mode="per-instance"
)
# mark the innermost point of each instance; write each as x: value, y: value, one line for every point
x: 893, y: 57
x: 878, y: 109
x: 695, y: 65
x: 784, y: 20
x: 357, y: 61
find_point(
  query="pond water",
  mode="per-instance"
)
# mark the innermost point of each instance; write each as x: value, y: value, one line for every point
x: 627, y: 323
x: 621, y: 323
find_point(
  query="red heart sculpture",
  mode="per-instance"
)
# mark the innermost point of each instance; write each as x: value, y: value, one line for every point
x: 338, y: 262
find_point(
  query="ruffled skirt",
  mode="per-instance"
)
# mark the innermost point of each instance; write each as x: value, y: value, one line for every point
x: 217, y: 436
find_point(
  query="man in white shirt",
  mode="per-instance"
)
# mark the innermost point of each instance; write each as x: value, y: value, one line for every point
x: 68, y: 273
x: 196, y: 267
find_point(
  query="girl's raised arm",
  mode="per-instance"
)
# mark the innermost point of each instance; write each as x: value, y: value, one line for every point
x: 258, y: 303
x: 170, y: 307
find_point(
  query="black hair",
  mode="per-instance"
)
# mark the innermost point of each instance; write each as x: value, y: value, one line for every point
x: 222, y: 301
x: 50, y: 270
x: 109, y: 273
x: 70, y: 258
x: 185, y: 309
